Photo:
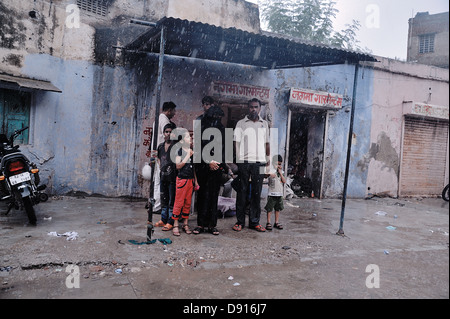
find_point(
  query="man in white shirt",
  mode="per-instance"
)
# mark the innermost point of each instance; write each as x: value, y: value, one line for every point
x: 251, y: 138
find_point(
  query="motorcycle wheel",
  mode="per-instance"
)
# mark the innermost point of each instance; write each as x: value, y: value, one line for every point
x: 445, y: 193
x: 43, y: 197
x: 29, y: 209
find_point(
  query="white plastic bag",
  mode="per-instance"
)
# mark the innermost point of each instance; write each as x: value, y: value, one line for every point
x: 146, y: 172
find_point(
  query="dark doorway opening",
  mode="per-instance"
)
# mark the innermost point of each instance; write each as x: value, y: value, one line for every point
x: 306, y: 150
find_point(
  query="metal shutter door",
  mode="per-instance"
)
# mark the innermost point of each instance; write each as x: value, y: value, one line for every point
x: 424, y: 156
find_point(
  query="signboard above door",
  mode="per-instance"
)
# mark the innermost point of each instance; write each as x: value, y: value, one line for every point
x: 315, y: 99
x: 426, y: 110
x: 242, y: 93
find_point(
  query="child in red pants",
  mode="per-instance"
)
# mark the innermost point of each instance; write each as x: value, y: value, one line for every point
x: 185, y: 184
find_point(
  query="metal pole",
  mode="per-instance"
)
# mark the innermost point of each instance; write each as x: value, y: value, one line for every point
x: 142, y: 22
x: 349, y: 150
x: 154, y: 144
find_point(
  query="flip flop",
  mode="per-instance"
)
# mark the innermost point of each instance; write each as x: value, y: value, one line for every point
x: 198, y: 230
x: 214, y: 231
x: 237, y: 227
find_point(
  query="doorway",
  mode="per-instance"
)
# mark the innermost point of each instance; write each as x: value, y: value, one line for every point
x: 306, y: 151
x: 233, y: 113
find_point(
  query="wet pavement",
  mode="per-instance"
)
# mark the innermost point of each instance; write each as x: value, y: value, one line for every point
x: 392, y: 248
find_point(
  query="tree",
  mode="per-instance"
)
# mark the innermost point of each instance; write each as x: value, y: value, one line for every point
x: 310, y: 20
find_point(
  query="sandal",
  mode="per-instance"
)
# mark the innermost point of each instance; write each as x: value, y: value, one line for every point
x: 237, y: 227
x: 160, y: 224
x: 167, y: 227
x: 214, y: 231
x: 186, y: 229
x: 278, y: 225
x: 176, y: 231
x: 269, y: 226
x: 259, y: 228
x: 198, y: 230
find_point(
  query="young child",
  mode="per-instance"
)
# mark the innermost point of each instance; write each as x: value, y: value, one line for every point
x: 185, y: 183
x: 275, y: 195
x: 167, y: 178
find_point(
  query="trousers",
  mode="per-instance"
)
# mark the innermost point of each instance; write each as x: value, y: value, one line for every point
x: 167, y: 191
x: 246, y: 172
x: 183, y: 198
x: 207, y: 197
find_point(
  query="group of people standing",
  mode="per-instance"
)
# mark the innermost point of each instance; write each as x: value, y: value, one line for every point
x: 178, y: 175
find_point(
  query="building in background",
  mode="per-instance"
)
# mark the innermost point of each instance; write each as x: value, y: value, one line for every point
x: 428, y: 39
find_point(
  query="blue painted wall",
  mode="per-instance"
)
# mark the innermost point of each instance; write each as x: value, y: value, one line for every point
x: 88, y: 138
x: 84, y: 138
x: 337, y: 79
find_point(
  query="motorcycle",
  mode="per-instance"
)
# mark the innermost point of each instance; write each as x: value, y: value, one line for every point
x: 445, y: 195
x: 19, y: 178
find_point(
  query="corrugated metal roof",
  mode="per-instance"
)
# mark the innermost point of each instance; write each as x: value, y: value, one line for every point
x: 204, y: 41
x: 28, y: 83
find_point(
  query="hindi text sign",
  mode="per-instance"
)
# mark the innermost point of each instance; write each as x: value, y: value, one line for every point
x: 315, y: 98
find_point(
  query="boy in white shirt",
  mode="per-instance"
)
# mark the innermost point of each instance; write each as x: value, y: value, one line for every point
x: 275, y: 195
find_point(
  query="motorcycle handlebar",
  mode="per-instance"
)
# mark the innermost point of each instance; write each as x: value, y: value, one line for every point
x: 16, y: 133
x: 20, y: 131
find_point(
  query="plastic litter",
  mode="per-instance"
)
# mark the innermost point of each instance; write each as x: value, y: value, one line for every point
x: 292, y: 205
x: 381, y: 213
x: 164, y: 241
x: 71, y: 235
x: 391, y: 227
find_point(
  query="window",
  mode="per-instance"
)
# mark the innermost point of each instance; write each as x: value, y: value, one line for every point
x: 97, y: 7
x: 15, y: 113
x: 426, y: 43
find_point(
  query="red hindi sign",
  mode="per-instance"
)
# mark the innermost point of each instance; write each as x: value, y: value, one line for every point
x: 315, y: 98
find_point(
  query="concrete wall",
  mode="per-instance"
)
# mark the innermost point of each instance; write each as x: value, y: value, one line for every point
x: 237, y: 14
x: 394, y: 83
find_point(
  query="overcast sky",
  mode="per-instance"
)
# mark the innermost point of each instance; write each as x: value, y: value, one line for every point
x: 384, y: 23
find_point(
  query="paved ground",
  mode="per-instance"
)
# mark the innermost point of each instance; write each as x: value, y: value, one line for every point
x: 305, y: 260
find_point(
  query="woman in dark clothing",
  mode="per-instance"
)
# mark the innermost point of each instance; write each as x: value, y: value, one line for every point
x: 209, y: 173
